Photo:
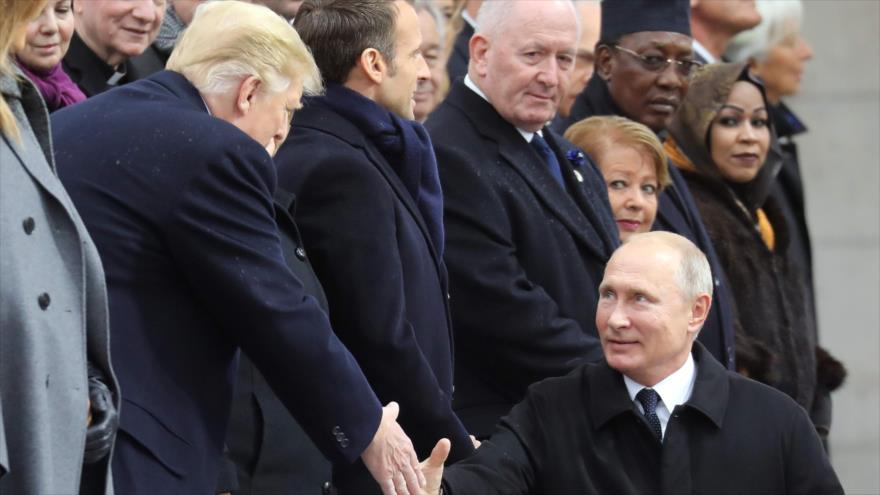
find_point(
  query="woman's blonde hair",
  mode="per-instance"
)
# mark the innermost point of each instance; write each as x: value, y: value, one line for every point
x: 229, y: 40
x: 596, y: 134
x: 16, y: 15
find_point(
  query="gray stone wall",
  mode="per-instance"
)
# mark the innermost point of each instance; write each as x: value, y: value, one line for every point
x: 840, y: 103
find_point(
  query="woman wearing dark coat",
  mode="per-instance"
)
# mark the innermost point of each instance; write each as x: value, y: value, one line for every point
x: 723, y: 142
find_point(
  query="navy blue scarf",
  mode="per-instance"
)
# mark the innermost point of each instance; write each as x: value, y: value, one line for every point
x: 406, y: 146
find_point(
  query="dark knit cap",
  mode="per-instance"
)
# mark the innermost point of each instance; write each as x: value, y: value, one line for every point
x: 620, y: 17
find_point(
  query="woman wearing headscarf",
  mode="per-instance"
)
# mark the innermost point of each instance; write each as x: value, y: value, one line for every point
x: 58, y: 396
x: 723, y: 142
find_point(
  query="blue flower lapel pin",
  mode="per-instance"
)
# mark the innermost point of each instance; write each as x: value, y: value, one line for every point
x: 577, y: 159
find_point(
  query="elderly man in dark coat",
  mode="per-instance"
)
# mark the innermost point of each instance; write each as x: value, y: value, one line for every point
x: 644, y: 59
x: 528, y: 223
x: 109, y: 47
x: 659, y: 415
x: 179, y: 201
x: 370, y: 210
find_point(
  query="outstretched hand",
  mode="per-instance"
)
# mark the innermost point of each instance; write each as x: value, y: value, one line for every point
x: 432, y: 467
x: 391, y: 458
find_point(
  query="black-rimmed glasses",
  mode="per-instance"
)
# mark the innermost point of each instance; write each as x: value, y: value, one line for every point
x: 656, y: 63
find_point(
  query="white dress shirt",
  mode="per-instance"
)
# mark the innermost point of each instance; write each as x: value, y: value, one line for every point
x: 673, y: 390
x: 703, y: 52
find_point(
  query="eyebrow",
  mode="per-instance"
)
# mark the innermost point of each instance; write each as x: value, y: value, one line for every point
x: 741, y: 110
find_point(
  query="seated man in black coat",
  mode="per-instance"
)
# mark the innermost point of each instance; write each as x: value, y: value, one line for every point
x: 174, y: 180
x: 659, y: 415
x: 528, y: 223
x: 370, y: 210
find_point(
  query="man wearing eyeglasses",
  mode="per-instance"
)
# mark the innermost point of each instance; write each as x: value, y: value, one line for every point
x: 644, y: 61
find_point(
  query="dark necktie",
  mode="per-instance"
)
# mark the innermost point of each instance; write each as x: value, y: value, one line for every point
x: 649, y: 399
x: 549, y: 157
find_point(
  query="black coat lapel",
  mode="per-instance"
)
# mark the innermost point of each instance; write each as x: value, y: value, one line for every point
x: 526, y: 161
x: 332, y: 123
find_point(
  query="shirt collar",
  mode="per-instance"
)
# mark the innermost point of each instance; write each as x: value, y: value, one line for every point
x: 473, y: 87
x: 703, y: 52
x: 673, y: 390
x: 468, y: 19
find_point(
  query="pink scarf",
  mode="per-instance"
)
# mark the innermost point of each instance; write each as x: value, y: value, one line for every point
x: 57, y: 88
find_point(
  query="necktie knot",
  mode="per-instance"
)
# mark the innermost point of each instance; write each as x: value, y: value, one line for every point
x: 546, y: 153
x: 649, y: 399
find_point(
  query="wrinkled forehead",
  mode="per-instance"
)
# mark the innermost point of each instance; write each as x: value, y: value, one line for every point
x: 646, y: 262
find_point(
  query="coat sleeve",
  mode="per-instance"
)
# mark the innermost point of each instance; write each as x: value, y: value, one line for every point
x: 223, y: 235
x: 346, y: 214
x: 509, y: 317
x: 807, y: 468
x: 509, y: 462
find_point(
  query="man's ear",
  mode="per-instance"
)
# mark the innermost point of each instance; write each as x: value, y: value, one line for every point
x: 699, y: 313
x: 478, y: 47
x: 247, y: 91
x: 373, y: 65
x: 604, y: 62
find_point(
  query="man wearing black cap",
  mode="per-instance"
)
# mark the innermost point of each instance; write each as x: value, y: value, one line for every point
x: 644, y: 59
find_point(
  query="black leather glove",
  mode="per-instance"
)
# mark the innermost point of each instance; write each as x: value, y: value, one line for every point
x: 105, y: 418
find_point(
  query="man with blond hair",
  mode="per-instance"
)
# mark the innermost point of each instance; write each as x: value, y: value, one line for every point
x: 174, y: 179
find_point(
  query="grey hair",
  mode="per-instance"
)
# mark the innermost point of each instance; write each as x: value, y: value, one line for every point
x: 494, y: 14
x: 432, y: 10
x: 693, y: 275
x: 776, y: 17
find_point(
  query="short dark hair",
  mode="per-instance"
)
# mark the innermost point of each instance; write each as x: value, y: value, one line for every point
x: 338, y: 31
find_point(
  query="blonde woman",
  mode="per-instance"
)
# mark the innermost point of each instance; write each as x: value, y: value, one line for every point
x: 58, y: 398
x: 632, y: 161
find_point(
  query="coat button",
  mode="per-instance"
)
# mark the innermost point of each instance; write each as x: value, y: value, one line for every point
x: 300, y: 253
x: 336, y: 430
x: 43, y: 300
x: 28, y: 225
x: 343, y: 443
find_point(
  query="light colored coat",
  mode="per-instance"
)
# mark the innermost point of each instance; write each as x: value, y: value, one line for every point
x: 53, y: 311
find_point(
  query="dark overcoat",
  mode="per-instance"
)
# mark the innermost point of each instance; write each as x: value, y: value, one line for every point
x: 525, y: 256
x: 457, y: 65
x: 583, y: 434
x: 386, y: 284
x: 180, y: 205
x: 268, y: 449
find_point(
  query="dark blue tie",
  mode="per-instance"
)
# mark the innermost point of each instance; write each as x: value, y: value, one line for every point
x: 549, y: 157
x: 649, y: 399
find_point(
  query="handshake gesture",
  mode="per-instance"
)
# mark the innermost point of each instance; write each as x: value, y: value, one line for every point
x: 392, y: 461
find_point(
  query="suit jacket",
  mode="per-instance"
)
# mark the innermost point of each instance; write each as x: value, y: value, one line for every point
x: 91, y: 73
x: 269, y: 450
x: 180, y: 206
x: 676, y: 212
x: 525, y: 256
x: 582, y: 434
x: 53, y: 312
x: 385, y: 282
x: 457, y: 64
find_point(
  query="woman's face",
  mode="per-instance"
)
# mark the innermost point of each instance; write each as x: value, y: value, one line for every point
x: 783, y: 67
x: 739, y: 137
x: 47, y: 37
x: 631, y: 177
